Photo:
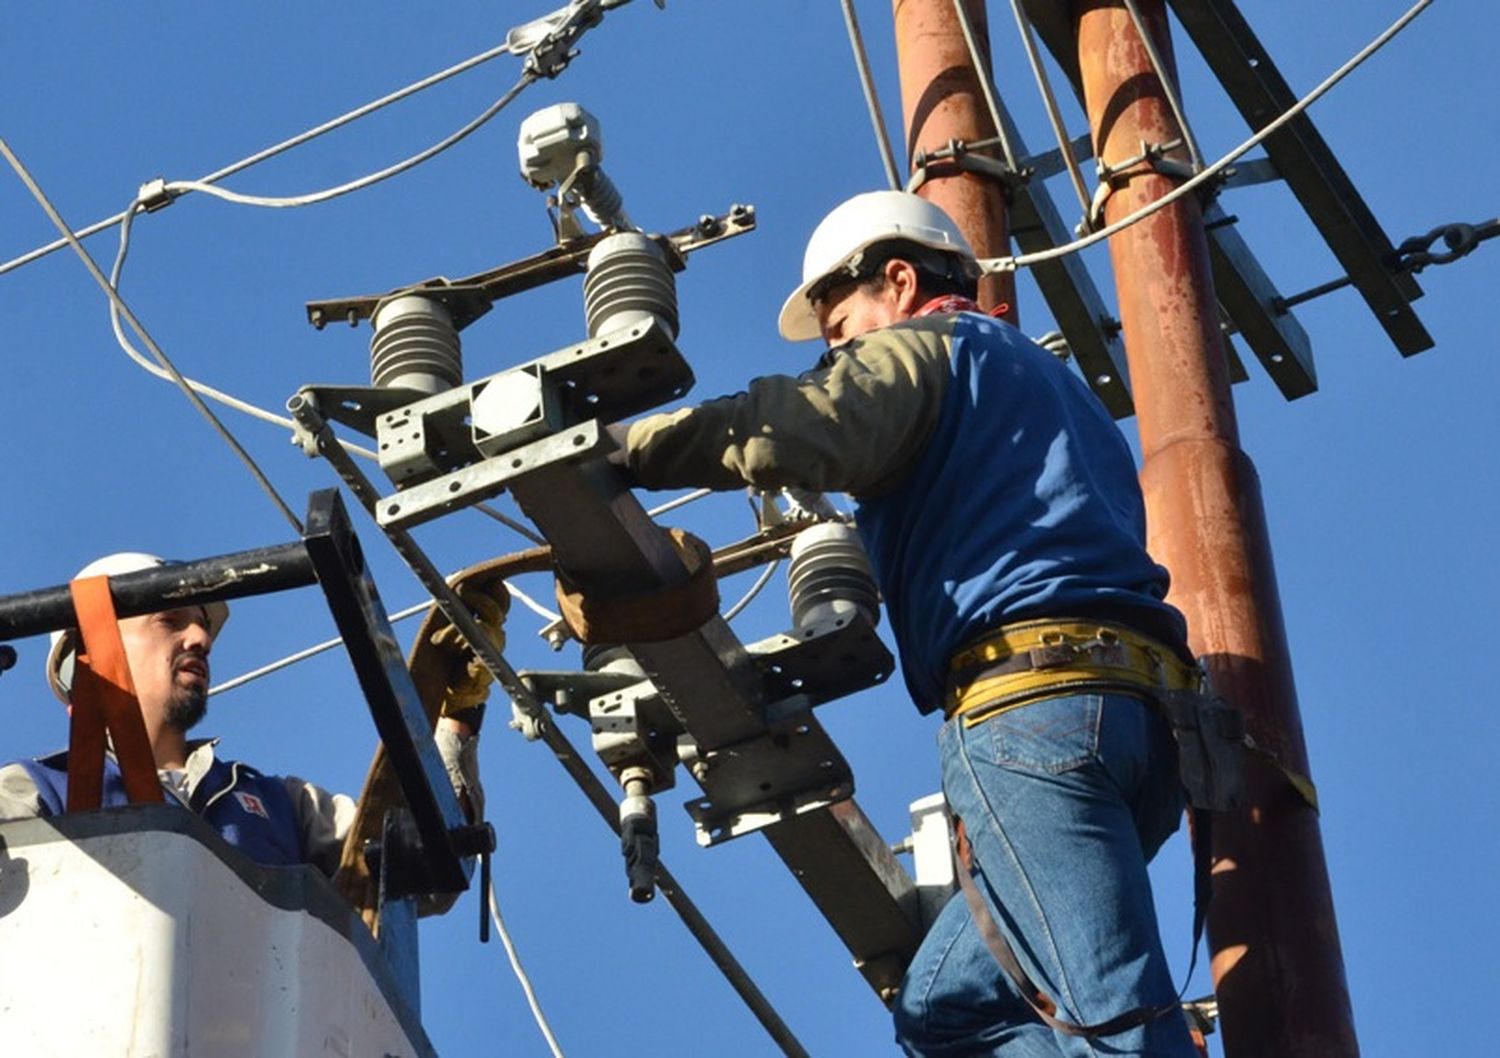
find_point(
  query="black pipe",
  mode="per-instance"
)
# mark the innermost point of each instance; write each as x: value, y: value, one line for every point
x: 258, y: 572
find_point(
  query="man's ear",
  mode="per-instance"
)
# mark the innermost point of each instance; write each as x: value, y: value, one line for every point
x: 902, y: 280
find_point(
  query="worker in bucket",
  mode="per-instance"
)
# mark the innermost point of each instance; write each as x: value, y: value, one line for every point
x: 274, y: 820
x: 1001, y: 512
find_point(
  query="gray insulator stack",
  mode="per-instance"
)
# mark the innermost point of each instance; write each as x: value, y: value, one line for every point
x: 830, y: 576
x: 628, y: 282
x: 415, y: 346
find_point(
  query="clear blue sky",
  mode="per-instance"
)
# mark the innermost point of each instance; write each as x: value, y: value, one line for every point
x: 1381, y: 489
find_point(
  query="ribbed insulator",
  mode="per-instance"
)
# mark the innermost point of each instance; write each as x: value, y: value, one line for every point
x: 628, y: 282
x: 830, y: 575
x: 415, y: 346
x: 601, y: 199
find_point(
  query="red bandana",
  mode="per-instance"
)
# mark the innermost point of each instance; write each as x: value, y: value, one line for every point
x: 955, y: 303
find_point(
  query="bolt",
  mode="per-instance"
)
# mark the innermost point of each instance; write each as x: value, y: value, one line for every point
x: 700, y: 770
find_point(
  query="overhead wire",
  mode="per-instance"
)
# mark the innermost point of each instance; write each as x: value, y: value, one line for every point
x: 280, y: 148
x: 872, y: 101
x: 231, y: 401
x: 178, y: 187
x: 170, y: 374
x: 328, y: 644
x: 118, y: 304
x: 1010, y: 264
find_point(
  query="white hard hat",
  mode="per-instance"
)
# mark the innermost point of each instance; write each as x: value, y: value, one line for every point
x: 64, y: 641
x: 855, y: 226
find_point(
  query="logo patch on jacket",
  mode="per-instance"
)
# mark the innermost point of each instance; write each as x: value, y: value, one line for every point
x: 251, y: 804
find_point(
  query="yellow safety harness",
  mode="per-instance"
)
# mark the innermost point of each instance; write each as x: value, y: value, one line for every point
x: 1022, y: 662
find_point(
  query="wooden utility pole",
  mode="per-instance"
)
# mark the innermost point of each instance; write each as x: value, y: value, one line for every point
x: 942, y: 103
x: 1277, y: 964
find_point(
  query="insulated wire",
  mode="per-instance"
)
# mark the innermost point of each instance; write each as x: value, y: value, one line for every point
x: 872, y: 101
x: 118, y: 304
x: 1010, y: 264
x: 520, y: 972
x: 755, y: 589
x: 680, y: 501
x: 176, y: 187
x: 1054, y: 114
x: 284, y: 145
x: 169, y: 373
x: 231, y: 401
x: 1167, y: 84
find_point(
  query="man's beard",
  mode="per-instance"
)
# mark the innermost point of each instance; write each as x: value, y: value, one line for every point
x: 187, y: 707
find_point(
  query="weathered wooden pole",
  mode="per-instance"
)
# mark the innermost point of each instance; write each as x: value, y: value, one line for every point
x: 942, y: 102
x: 1277, y: 964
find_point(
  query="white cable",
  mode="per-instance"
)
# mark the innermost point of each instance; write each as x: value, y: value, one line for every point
x: 284, y: 145
x: 680, y: 501
x: 755, y: 589
x: 1010, y: 264
x: 520, y: 972
x: 169, y: 376
x: 530, y: 603
x: 178, y: 187
x: 117, y: 305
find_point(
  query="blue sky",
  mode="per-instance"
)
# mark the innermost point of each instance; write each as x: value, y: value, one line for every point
x: 1381, y: 489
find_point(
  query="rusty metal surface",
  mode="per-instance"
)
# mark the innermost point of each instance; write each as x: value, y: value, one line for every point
x: 1276, y: 958
x: 941, y: 101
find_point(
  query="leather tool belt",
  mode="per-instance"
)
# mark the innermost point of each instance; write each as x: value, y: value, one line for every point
x: 1022, y: 662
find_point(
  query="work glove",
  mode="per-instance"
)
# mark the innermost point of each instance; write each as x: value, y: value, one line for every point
x: 469, y: 680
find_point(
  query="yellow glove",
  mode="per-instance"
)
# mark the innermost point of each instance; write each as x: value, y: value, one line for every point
x: 469, y: 681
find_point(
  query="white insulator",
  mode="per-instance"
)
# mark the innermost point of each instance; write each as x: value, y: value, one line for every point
x: 415, y: 346
x: 601, y: 201
x: 830, y: 576
x: 628, y: 282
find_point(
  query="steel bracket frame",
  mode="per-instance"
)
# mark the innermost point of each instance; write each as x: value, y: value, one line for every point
x: 392, y: 697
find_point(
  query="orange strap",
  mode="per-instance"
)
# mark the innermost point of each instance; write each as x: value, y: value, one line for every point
x: 103, y: 696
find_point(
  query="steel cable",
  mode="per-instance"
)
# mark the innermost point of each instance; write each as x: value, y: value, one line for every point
x: 986, y: 85
x: 1054, y: 113
x: 872, y: 101
x: 1168, y: 85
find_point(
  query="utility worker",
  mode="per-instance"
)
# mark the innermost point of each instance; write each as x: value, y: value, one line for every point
x: 273, y: 820
x: 1000, y: 508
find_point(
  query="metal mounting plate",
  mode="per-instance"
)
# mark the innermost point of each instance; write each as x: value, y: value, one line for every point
x: 793, y: 768
x: 824, y: 661
x: 487, y: 478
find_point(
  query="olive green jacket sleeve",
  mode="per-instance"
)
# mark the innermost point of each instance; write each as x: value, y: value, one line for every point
x: 856, y: 424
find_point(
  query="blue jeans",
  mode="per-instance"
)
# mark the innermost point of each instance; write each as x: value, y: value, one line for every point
x: 1064, y: 801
